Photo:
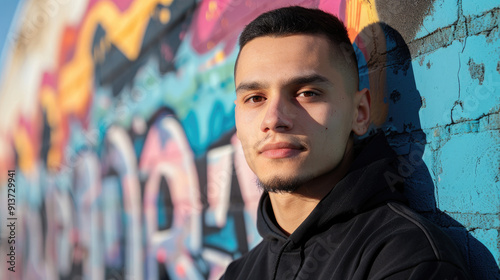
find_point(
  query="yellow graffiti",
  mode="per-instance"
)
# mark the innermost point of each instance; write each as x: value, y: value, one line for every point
x: 26, y: 151
x: 212, y: 12
x: 359, y: 14
x: 164, y: 16
x: 73, y: 95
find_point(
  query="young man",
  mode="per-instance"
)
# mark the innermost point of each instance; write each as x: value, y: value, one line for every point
x: 327, y: 210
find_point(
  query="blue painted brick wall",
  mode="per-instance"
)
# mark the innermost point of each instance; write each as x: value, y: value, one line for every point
x: 456, y: 65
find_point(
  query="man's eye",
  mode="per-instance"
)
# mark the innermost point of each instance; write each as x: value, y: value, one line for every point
x: 255, y: 99
x: 308, y: 94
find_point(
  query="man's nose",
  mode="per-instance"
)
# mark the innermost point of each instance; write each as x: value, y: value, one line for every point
x: 279, y: 114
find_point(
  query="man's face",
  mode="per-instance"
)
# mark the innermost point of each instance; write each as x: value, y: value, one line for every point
x: 293, y: 114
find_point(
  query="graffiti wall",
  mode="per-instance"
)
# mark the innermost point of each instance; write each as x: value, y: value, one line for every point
x: 118, y: 154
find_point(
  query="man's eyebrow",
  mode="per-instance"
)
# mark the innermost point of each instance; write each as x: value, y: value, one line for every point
x: 309, y: 79
x: 246, y: 86
x: 299, y: 80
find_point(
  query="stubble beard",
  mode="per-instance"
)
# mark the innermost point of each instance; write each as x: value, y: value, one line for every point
x: 282, y: 185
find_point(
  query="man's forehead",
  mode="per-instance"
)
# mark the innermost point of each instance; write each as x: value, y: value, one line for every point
x: 301, y: 49
x: 262, y: 54
x: 279, y: 44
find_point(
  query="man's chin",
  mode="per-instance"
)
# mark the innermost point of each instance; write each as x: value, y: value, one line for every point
x: 279, y: 184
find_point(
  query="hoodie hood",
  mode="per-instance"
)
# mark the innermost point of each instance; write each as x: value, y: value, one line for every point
x: 368, y: 183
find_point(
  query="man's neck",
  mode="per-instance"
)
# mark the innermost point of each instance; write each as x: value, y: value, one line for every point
x: 291, y: 209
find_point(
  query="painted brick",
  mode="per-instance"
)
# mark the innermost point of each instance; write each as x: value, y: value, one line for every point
x: 435, y: 137
x: 429, y: 157
x: 483, y: 23
x: 466, y: 173
x: 490, y: 122
x: 437, y: 40
x: 403, y: 98
x: 479, y: 80
x: 475, y: 8
x: 437, y: 82
x: 464, y: 127
x: 444, y: 13
x: 485, y: 221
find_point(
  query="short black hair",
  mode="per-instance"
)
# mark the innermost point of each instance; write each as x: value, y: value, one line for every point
x: 294, y: 20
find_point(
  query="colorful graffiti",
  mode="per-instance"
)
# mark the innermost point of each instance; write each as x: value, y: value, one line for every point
x: 123, y: 141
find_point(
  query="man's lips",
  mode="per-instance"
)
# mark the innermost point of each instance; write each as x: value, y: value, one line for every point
x: 281, y: 150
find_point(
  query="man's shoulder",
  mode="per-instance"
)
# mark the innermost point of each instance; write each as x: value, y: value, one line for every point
x: 413, y: 224
x: 403, y: 239
x: 395, y: 223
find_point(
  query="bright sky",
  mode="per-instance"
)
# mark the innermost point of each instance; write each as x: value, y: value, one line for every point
x: 7, y: 13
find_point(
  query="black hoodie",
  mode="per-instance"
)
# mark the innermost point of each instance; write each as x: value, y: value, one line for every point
x: 361, y: 229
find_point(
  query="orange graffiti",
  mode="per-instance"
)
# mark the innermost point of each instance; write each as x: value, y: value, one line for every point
x: 26, y: 144
x: 73, y: 90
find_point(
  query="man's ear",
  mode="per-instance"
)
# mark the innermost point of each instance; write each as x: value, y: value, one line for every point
x: 361, y: 120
